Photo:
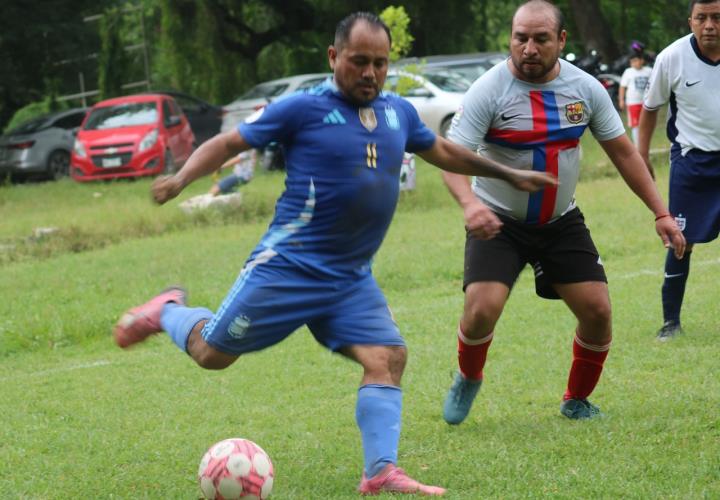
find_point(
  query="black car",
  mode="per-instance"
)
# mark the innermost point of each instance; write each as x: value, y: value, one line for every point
x: 205, y: 118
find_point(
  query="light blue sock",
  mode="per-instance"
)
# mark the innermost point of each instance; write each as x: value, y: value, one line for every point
x: 178, y: 321
x: 377, y: 414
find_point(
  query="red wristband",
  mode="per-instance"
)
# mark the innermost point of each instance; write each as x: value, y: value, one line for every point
x: 661, y: 216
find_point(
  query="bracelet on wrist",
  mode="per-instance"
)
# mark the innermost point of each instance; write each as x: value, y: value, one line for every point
x: 662, y: 216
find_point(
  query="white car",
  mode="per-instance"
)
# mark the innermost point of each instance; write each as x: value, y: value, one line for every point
x: 436, y: 95
x: 263, y: 93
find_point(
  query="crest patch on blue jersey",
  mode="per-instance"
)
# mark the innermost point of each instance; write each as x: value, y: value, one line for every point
x: 391, y: 118
x: 367, y: 118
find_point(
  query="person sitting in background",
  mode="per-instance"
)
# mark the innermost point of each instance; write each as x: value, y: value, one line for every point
x: 243, y: 169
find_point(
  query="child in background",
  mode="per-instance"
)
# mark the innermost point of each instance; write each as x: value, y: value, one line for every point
x: 632, y: 90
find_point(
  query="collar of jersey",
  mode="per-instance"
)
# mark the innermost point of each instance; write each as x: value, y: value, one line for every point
x: 704, y: 59
x: 330, y: 83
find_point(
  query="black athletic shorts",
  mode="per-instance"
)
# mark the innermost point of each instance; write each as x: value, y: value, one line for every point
x: 559, y: 252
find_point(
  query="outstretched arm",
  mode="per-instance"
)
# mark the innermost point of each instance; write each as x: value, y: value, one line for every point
x: 632, y: 169
x: 460, y: 160
x: 203, y: 161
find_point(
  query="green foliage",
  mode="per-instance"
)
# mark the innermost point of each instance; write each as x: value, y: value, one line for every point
x: 34, y: 110
x: 398, y: 21
x: 112, y: 61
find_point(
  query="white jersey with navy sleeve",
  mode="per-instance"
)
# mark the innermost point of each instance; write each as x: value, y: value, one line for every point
x: 533, y: 126
x: 690, y: 83
x: 343, y: 167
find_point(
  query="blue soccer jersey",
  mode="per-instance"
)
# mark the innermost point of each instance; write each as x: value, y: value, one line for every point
x: 343, y: 165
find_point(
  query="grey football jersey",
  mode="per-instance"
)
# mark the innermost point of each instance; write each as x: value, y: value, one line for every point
x: 533, y: 126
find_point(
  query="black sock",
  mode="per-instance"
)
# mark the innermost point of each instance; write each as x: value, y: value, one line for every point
x: 673, y: 289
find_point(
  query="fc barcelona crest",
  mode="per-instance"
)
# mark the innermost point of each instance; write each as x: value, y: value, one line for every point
x: 367, y: 118
x: 575, y: 112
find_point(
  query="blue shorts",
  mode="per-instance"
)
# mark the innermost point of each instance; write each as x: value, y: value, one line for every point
x: 695, y: 193
x: 272, y: 298
x: 228, y: 184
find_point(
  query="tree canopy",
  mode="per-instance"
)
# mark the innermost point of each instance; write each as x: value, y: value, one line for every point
x: 216, y: 49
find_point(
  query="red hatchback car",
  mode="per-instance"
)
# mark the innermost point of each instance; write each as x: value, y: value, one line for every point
x: 131, y: 136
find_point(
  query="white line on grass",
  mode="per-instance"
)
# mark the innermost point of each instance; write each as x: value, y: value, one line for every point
x: 61, y: 369
x: 659, y: 270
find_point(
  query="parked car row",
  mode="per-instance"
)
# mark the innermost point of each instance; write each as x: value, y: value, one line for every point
x: 155, y: 132
x: 138, y: 135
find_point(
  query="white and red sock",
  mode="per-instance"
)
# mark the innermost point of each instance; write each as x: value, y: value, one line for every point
x: 587, y: 365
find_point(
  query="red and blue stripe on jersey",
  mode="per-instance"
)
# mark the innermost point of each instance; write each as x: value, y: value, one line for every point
x: 546, y: 139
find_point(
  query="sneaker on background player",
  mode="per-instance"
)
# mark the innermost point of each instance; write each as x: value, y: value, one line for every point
x: 460, y: 399
x: 579, y: 409
x: 669, y: 331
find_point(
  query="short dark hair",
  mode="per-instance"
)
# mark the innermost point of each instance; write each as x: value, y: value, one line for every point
x: 345, y: 26
x: 693, y: 2
x: 557, y: 13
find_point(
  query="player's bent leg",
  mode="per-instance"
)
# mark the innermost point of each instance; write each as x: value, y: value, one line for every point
x: 205, y: 355
x: 378, y: 415
x: 484, y: 302
x: 590, y: 303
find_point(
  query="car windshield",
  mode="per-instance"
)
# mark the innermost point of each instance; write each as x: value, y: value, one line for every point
x: 31, y: 126
x: 264, y: 90
x: 122, y: 115
x: 449, y: 81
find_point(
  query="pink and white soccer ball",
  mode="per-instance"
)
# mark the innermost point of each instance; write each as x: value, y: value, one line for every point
x: 235, y: 468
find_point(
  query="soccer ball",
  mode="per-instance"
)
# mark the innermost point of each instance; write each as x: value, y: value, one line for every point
x: 235, y: 468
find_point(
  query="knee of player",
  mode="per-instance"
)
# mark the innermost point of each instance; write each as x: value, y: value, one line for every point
x: 480, y: 317
x: 204, y: 354
x: 599, y: 312
x: 211, y: 359
x: 388, y: 363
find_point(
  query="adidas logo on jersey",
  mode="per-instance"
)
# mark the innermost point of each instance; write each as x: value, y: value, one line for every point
x: 334, y: 117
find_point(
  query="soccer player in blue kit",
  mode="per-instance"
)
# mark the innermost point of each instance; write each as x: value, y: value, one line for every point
x: 344, y: 142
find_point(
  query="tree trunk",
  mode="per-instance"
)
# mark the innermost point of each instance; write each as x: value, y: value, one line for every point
x: 594, y: 29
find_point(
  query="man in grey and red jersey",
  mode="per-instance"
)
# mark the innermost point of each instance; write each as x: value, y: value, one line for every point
x: 529, y: 112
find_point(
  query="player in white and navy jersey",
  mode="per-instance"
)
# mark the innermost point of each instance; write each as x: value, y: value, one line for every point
x: 686, y: 76
x: 529, y: 112
x: 344, y: 144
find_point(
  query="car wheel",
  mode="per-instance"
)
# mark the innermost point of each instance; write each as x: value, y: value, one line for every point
x: 445, y: 126
x: 58, y: 165
x: 169, y: 167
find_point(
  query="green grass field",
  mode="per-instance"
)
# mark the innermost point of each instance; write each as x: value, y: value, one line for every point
x: 83, y: 419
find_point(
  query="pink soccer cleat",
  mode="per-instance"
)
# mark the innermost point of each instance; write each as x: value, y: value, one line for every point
x: 142, y: 321
x: 394, y: 480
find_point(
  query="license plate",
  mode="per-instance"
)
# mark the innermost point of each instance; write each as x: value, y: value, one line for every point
x: 111, y: 162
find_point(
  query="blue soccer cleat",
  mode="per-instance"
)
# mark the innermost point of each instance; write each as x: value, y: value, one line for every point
x: 578, y: 409
x: 460, y: 399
